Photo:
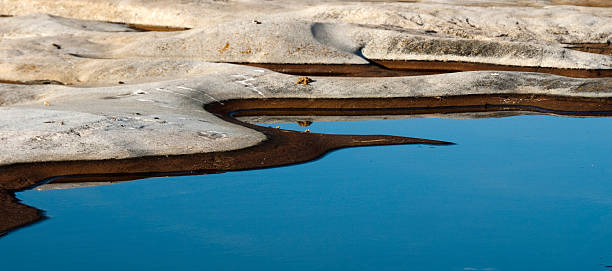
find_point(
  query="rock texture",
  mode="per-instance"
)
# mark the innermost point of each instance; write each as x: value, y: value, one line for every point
x: 80, y: 82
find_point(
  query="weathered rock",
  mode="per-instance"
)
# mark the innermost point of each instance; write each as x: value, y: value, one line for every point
x: 132, y: 93
x: 148, y: 119
x: 107, y: 53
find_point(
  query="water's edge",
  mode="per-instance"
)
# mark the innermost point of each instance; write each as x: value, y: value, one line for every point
x: 282, y: 147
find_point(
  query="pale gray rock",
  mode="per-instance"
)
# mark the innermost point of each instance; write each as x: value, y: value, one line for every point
x: 169, y: 76
x: 148, y: 119
x: 105, y: 56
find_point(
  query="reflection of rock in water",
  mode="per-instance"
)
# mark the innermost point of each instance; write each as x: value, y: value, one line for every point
x: 14, y: 214
x: 304, y: 123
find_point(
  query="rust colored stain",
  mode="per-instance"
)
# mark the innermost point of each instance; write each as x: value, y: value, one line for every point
x: 224, y: 48
x: 303, y: 81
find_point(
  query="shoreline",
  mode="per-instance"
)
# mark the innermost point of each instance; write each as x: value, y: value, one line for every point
x: 281, y: 148
x: 132, y: 89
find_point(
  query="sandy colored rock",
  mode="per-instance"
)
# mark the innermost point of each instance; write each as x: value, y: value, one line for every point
x: 147, y: 119
x: 106, y: 53
x: 132, y: 93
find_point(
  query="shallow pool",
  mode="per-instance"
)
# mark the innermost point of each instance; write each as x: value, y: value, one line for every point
x: 517, y: 193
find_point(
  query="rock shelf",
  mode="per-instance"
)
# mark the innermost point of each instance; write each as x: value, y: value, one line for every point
x: 85, y: 83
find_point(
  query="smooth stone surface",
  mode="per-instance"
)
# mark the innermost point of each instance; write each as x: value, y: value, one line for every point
x: 132, y: 93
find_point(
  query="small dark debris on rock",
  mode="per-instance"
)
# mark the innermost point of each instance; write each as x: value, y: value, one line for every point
x: 431, y: 31
x: 303, y: 81
x: 56, y: 46
x: 121, y: 82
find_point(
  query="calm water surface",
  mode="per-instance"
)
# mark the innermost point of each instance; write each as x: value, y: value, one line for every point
x: 519, y: 193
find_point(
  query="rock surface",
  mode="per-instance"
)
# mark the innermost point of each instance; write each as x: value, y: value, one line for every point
x: 130, y: 93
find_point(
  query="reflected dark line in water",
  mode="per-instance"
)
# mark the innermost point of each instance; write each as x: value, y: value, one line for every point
x: 282, y: 147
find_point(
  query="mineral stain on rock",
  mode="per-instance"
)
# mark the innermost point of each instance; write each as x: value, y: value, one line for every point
x: 303, y: 81
x: 227, y: 45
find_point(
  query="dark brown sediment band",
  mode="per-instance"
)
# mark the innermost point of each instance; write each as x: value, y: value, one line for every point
x: 347, y: 70
x: 468, y: 66
x: 282, y: 147
x: 545, y: 104
x: 396, y: 68
x: 586, y: 3
x: 594, y: 48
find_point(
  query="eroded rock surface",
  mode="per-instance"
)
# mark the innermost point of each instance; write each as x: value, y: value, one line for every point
x: 102, y: 80
x: 80, y: 82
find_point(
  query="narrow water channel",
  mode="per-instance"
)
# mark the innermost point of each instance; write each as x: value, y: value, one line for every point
x: 515, y: 193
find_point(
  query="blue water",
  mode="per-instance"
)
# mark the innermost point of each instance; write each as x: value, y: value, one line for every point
x: 519, y: 193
